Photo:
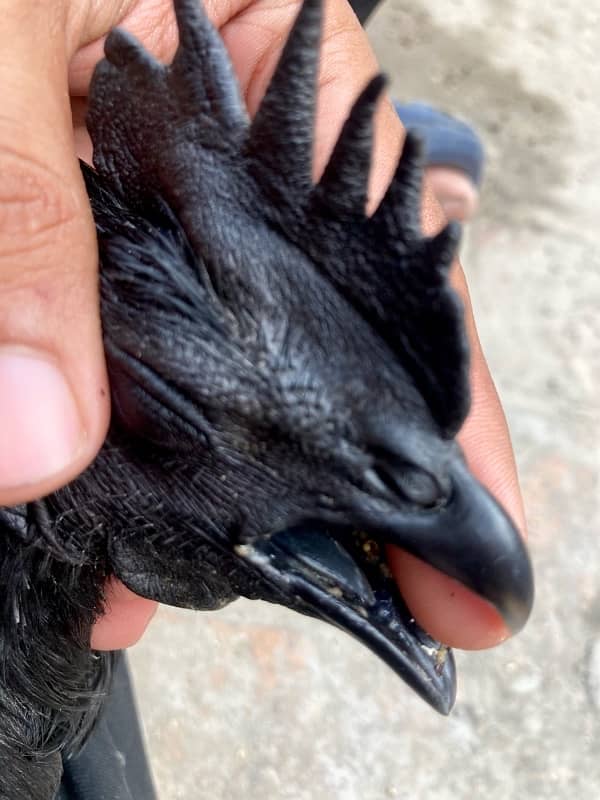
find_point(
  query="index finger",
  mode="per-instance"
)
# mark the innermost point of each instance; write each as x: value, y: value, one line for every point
x: 446, y: 609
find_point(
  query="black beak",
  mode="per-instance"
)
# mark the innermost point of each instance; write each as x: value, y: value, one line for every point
x: 340, y: 575
x: 323, y: 572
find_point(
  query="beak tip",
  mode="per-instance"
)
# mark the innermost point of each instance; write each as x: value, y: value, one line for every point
x: 446, y: 704
x: 515, y: 606
x: 439, y: 692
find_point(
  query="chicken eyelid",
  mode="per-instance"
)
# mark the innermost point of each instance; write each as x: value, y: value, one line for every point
x: 399, y: 474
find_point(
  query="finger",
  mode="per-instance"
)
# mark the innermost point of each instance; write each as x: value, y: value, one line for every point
x: 445, y: 608
x: 54, y: 400
x: 125, y: 619
x: 485, y: 437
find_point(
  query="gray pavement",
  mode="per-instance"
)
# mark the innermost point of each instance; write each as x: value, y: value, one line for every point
x: 254, y: 701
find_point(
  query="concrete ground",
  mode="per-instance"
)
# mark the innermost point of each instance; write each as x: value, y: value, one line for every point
x: 254, y: 701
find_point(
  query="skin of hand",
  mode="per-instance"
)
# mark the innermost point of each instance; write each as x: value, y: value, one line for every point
x: 54, y: 405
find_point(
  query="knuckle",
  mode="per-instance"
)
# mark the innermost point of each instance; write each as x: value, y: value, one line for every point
x: 36, y: 205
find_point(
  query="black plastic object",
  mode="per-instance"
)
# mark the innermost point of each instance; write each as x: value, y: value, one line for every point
x: 113, y: 764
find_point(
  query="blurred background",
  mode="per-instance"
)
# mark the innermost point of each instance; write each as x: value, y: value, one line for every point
x: 254, y: 701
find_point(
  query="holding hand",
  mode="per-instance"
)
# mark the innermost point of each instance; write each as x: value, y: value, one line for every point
x: 55, y: 400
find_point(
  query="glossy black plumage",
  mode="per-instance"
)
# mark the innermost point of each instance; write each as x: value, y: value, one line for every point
x: 287, y: 377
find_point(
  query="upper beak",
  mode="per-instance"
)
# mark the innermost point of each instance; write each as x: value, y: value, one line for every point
x: 472, y: 539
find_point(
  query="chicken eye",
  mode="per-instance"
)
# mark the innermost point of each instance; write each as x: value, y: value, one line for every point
x: 413, y: 483
x: 418, y: 486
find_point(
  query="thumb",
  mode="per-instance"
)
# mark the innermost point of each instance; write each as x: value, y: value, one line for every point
x: 54, y: 402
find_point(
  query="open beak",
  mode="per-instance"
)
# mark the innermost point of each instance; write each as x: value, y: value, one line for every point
x: 342, y: 578
x: 340, y: 575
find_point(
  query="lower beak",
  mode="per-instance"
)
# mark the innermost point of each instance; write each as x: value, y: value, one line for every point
x: 311, y: 572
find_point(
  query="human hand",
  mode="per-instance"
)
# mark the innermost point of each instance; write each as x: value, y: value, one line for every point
x: 51, y: 305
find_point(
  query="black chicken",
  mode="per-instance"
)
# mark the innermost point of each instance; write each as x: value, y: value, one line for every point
x: 287, y: 378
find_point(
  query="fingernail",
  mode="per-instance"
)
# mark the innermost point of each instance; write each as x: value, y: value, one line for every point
x: 40, y: 427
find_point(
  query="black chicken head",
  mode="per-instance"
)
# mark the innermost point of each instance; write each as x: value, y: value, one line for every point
x: 287, y: 373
